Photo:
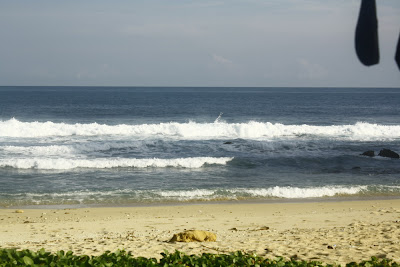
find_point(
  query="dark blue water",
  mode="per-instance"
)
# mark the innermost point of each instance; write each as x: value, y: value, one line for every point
x: 319, y: 106
x: 111, y: 145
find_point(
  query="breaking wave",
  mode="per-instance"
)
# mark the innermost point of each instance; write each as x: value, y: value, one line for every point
x: 192, y: 130
x: 131, y: 196
x: 273, y: 192
x: 73, y: 149
x: 106, y: 163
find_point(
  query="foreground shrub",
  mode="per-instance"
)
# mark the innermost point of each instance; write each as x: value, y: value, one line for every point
x: 12, y: 257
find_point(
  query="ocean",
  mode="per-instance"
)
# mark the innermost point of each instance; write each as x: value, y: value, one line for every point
x: 116, y: 146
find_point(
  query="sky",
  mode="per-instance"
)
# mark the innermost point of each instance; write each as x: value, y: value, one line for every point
x: 275, y: 43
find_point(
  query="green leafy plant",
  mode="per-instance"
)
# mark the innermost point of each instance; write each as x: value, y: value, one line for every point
x: 12, y: 257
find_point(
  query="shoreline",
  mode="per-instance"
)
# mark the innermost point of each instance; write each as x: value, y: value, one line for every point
x: 204, y: 202
x: 331, y: 232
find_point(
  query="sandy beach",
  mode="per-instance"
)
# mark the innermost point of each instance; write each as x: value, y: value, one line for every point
x: 331, y: 232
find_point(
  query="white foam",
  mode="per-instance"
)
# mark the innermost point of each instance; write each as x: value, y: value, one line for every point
x: 104, y: 163
x: 128, y: 195
x: 296, y: 192
x: 272, y: 192
x: 39, y: 150
x: 56, y: 150
x: 193, y: 130
x: 81, y: 194
x: 187, y: 194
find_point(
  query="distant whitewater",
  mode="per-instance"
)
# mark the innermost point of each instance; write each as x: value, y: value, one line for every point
x: 83, y: 146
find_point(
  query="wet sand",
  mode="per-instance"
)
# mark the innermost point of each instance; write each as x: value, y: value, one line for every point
x: 331, y: 232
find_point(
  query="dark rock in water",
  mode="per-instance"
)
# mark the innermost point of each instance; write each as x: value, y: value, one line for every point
x: 387, y: 153
x: 356, y: 168
x: 228, y: 143
x: 368, y: 153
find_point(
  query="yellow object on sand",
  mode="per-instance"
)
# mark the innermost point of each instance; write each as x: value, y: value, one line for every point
x: 194, y: 236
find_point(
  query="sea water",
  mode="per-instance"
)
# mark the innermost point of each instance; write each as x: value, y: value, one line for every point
x: 143, y: 145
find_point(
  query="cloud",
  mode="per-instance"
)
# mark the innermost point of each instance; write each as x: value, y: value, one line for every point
x: 221, y: 60
x: 310, y: 70
x: 204, y: 4
x: 161, y: 29
x: 95, y: 72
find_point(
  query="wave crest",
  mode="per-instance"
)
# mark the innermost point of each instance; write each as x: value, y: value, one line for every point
x: 103, y: 163
x: 193, y: 130
x: 184, y: 195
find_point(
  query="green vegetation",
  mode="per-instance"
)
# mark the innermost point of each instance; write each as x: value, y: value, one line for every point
x: 12, y: 257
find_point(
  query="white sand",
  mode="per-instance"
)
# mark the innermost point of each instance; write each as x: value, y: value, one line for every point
x: 332, y: 232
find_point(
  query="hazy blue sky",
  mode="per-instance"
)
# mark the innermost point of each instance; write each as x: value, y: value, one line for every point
x: 192, y: 43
